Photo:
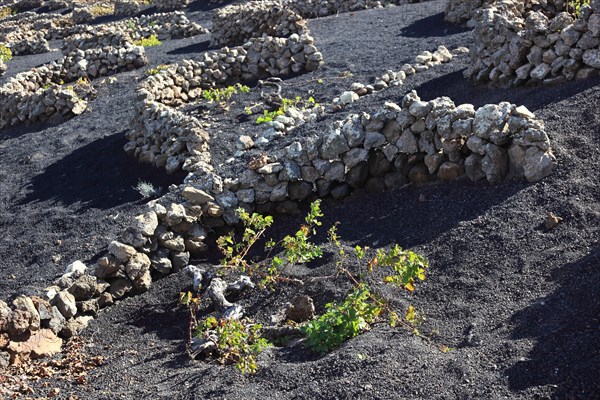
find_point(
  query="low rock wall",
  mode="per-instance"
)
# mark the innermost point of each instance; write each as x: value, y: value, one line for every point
x: 37, y: 95
x: 127, y: 7
x: 235, y: 24
x: 25, y: 42
x: 257, y: 59
x: 170, y: 5
x: 513, y: 47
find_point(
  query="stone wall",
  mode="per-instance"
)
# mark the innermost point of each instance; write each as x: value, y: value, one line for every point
x: 257, y: 59
x: 513, y: 46
x: 414, y: 140
x: 127, y: 7
x: 322, y: 8
x: 464, y: 11
x: 170, y: 5
x: 235, y: 24
x: 24, y: 42
x: 172, y: 25
x: 38, y: 94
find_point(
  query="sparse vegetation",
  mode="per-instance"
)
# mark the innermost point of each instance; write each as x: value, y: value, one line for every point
x: 146, y: 189
x: 150, y: 41
x: 223, y: 94
x: 5, y: 53
x: 154, y: 71
x: 298, y: 102
x: 574, y: 6
x: 239, y: 342
x: 99, y: 10
x: 6, y: 12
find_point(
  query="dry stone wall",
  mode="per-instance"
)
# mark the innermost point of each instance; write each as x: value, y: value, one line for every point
x: 127, y: 7
x: 38, y: 94
x: 24, y: 42
x: 322, y: 8
x: 235, y: 24
x: 513, y: 46
x: 172, y: 25
x: 170, y: 5
x: 464, y: 11
x: 184, y: 143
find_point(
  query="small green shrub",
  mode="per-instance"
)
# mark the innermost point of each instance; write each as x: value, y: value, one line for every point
x: 154, y: 71
x: 238, y: 342
x: 131, y: 25
x: 146, y: 189
x: 99, y: 10
x: 344, y: 321
x: 294, y: 249
x: 6, y: 12
x: 5, y: 53
x: 223, y: 94
x: 150, y: 41
x: 574, y: 6
x: 269, y: 116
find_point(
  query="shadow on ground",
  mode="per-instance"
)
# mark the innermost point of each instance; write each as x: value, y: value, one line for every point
x: 411, y: 216
x: 566, y: 327
x: 533, y: 97
x: 192, y: 48
x: 432, y: 26
x: 98, y: 175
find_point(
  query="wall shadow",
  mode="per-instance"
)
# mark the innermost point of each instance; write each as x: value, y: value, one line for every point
x: 535, y: 97
x: 97, y: 175
x: 402, y: 215
x: 204, y: 5
x: 192, y: 48
x: 432, y: 26
x: 566, y: 327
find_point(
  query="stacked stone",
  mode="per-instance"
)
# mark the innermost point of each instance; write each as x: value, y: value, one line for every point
x: 50, y: 24
x: 33, y: 326
x: 54, y: 27
x: 97, y: 62
x: 512, y: 49
x: 25, y: 42
x: 165, y: 137
x: 94, y: 38
x: 82, y: 15
x: 322, y: 8
x: 36, y: 95
x: 257, y: 59
x: 423, y: 62
x: 127, y: 7
x: 24, y: 5
x: 170, y: 5
x: 31, y: 97
x: 463, y: 11
x: 173, y: 25
x: 235, y: 24
x: 170, y: 25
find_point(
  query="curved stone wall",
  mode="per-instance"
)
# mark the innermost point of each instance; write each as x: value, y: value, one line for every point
x: 182, y: 83
x: 40, y: 93
x: 513, y: 46
x: 235, y: 24
x: 170, y: 5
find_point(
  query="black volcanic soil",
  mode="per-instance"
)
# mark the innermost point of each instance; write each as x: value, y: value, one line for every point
x: 531, y: 296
